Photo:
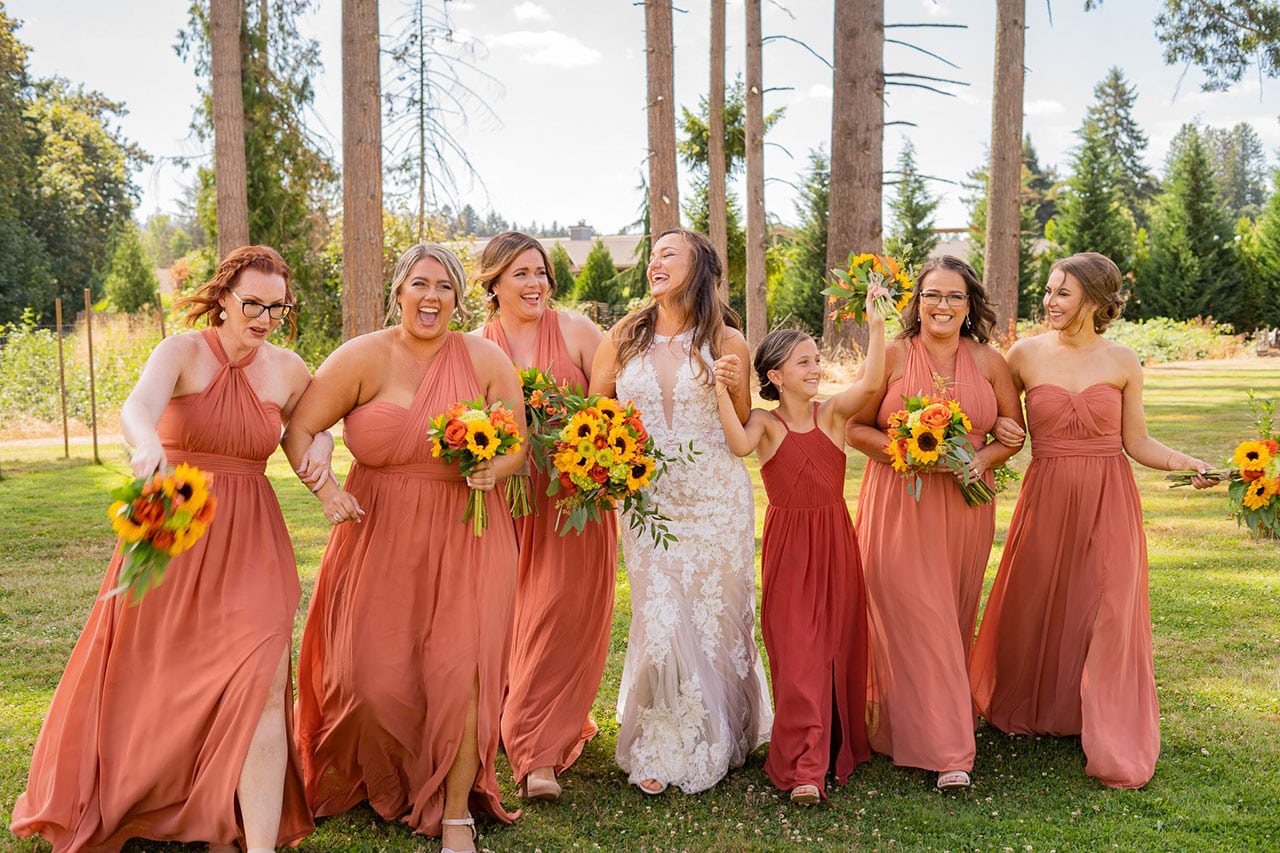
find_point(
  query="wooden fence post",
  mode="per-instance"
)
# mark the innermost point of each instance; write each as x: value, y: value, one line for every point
x: 160, y: 311
x: 62, y: 381
x: 93, y: 399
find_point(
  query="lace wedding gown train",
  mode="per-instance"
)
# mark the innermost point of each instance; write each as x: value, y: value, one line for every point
x: 693, y: 700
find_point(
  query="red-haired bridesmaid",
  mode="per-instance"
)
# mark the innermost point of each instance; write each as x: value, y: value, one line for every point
x: 1065, y: 643
x: 814, y: 614
x: 564, y: 595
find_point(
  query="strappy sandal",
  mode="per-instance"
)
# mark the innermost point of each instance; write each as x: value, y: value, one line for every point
x: 954, y: 780
x: 459, y: 821
x: 806, y: 795
x: 644, y: 785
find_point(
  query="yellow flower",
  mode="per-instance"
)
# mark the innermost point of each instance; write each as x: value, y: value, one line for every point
x: 482, y: 439
x: 186, y: 537
x: 964, y: 419
x: 609, y: 408
x: 1260, y: 492
x: 583, y: 425
x: 605, y: 458
x: 623, y: 443
x: 641, y: 469
x: 924, y: 445
x: 1251, y: 456
x: 123, y: 525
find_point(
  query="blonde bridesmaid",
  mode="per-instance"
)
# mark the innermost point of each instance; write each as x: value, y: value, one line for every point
x: 564, y: 595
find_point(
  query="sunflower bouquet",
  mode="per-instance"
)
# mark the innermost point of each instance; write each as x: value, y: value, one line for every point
x: 881, y: 276
x: 929, y: 431
x: 469, y: 432
x: 603, y: 454
x: 157, y: 518
x: 1253, y: 475
x: 539, y: 391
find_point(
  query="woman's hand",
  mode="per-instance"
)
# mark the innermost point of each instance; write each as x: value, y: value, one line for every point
x: 973, y: 472
x: 315, y: 469
x: 342, y: 506
x: 1200, y: 481
x: 726, y: 369
x: 1008, y: 433
x: 148, y: 458
x: 482, y: 477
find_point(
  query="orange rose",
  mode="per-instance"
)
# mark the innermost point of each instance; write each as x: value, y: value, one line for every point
x: 147, y: 512
x: 566, y: 483
x: 637, y: 426
x: 205, y: 515
x: 455, y: 410
x: 601, y: 441
x: 1273, y: 446
x: 936, y: 416
x: 455, y: 434
x: 599, y: 474
x: 1249, y: 476
x: 162, y: 539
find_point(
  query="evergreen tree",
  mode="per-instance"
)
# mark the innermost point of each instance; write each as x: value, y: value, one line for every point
x: 1091, y: 216
x: 911, y: 234
x: 562, y: 270
x: 699, y: 218
x: 131, y: 282
x: 597, y: 281
x: 1111, y: 113
x: 1192, y: 269
x: 797, y: 296
x: 1240, y: 166
x: 1041, y: 186
x: 1262, y: 268
x: 1030, y: 274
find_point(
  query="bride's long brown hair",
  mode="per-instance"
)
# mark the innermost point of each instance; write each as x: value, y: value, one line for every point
x: 695, y: 298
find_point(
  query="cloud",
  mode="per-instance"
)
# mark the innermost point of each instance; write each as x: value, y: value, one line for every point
x: 820, y: 92
x: 530, y: 12
x: 1042, y: 108
x: 546, y: 48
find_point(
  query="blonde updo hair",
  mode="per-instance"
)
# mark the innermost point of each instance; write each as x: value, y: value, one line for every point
x: 1101, y: 282
x: 448, y: 260
x: 772, y: 353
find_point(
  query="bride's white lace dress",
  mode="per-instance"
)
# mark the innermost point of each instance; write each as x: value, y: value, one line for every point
x: 693, y: 700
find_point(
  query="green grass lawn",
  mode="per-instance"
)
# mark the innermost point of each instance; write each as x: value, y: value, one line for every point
x: 1216, y: 617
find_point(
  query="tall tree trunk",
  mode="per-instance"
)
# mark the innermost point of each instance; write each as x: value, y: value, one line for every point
x: 857, y: 146
x: 757, y: 322
x: 664, y: 199
x: 361, y: 170
x: 228, y: 126
x: 716, y: 203
x: 1004, y: 187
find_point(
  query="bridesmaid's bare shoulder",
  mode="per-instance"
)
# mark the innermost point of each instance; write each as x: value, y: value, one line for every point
x: 485, y: 354
x: 363, y: 355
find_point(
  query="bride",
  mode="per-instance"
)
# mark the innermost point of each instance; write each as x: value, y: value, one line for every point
x: 693, y: 700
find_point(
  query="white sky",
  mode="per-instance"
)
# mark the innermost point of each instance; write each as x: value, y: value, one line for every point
x: 569, y: 139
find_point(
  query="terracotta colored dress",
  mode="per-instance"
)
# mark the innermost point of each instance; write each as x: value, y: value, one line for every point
x: 410, y: 610
x: 564, y: 606
x: 813, y: 614
x: 923, y: 562
x: 1065, y: 644
x: 152, y: 720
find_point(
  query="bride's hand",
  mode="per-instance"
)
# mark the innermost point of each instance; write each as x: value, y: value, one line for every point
x: 727, y: 369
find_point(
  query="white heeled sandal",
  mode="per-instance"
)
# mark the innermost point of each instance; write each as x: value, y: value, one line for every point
x: 459, y: 821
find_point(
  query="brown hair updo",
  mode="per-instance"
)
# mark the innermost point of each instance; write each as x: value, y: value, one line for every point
x: 772, y: 353
x: 500, y: 253
x: 1101, y: 282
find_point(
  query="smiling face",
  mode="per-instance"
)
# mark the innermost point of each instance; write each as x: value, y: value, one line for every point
x: 670, y: 264
x: 427, y: 299
x: 1065, y: 306
x: 943, y: 301
x: 522, y: 288
x: 801, y: 371
x: 252, y: 286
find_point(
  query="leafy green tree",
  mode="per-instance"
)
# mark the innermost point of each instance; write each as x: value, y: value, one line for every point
x: 1040, y: 187
x: 1262, y: 267
x: 698, y: 215
x: 911, y: 234
x: 562, y: 269
x: 1240, y: 165
x: 1111, y: 114
x: 291, y: 183
x: 131, y: 282
x: 1192, y: 269
x: 1091, y: 216
x: 597, y: 281
x: 1223, y: 39
x: 82, y: 168
x: 694, y: 145
x: 796, y: 295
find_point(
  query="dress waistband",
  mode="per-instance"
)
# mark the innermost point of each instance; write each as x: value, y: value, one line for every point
x: 216, y: 463
x: 1054, y: 448
x: 418, y: 470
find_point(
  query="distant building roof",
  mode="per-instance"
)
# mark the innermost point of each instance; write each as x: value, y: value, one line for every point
x: 622, y: 248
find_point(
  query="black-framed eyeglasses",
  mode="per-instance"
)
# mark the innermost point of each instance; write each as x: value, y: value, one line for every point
x: 251, y: 309
x: 933, y: 297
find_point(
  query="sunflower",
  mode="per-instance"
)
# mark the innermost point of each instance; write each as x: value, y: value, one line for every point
x: 482, y: 439
x: 641, y: 470
x: 123, y: 524
x: 185, y: 538
x: 610, y: 408
x: 896, y: 450
x: 925, y: 445
x: 188, y: 487
x: 1260, y: 492
x: 1251, y: 456
x: 583, y: 425
x: 622, y: 442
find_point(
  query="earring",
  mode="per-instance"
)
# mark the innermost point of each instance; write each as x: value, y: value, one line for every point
x: 222, y: 315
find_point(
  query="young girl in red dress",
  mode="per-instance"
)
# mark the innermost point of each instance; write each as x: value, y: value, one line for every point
x: 814, y: 609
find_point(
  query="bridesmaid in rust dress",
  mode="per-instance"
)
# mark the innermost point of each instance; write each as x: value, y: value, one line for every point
x: 404, y: 654
x: 814, y: 614
x: 564, y: 595
x: 171, y: 721
x: 1065, y: 643
x: 924, y: 559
